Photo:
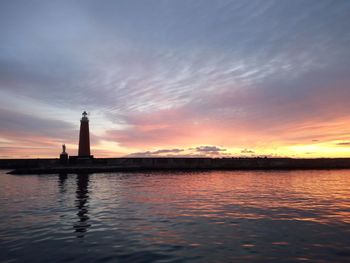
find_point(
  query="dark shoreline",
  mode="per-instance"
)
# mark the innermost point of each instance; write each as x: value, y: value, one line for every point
x: 99, y: 165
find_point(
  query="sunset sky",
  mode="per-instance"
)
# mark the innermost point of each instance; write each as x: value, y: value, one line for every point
x: 176, y: 78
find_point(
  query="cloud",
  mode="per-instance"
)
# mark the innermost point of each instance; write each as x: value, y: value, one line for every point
x: 246, y: 151
x: 209, y: 149
x: 17, y: 125
x: 168, y: 151
x: 343, y: 143
x: 156, y: 153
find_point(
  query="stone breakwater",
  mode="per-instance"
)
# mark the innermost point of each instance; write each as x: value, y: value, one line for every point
x: 47, y: 166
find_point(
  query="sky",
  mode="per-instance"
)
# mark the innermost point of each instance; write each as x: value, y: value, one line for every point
x: 218, y: 78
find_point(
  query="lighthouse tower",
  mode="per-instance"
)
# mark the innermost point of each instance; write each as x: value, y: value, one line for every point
x: 84, y: 137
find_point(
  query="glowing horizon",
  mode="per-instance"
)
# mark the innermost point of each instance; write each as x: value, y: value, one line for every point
x: 176, y: 78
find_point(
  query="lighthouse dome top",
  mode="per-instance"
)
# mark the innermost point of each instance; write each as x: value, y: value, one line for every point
x: 84, y: 118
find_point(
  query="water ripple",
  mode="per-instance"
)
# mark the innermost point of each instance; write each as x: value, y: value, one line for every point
x: 176, y: 217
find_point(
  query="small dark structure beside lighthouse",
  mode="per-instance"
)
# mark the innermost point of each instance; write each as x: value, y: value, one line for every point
x: 64, y: 155
x: 84, y: 138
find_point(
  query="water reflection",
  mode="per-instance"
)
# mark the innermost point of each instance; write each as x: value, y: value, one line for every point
x: 81, y: 200
x: 176, y: 217
x: 82, y: 204
x: 62, y: 177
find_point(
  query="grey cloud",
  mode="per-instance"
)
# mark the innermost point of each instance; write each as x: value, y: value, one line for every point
x: 155, y: 153
x: 25, y: 125
x: 233, y: 25
x: 140, y: 154
x: 69, y: 42
x: 209, y: 149
x: 168, y: 151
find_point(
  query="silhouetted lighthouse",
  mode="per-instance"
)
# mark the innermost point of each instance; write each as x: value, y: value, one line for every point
x: 84, y: 137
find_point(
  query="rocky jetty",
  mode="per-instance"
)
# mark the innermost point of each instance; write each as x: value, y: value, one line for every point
x: 96, y: 165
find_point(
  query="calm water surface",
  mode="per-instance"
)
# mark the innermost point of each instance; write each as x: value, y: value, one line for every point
x: 176, y: 217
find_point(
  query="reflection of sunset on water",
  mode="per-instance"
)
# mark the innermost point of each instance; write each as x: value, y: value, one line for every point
x: 236, y: 215
x: 299, y: 195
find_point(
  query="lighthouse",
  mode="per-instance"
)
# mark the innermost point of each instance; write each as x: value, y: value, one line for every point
x: 84, y: 137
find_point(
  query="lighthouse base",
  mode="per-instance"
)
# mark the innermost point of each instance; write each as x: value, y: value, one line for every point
x: 81, y: 159
x: 64, y: 158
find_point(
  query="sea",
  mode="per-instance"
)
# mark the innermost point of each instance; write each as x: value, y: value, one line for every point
x: 215, y: 216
